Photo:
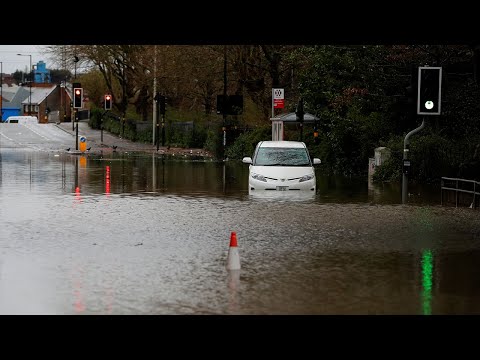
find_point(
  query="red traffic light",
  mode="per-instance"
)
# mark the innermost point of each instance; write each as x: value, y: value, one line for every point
x: 108, y: 102
x: 77, y: 98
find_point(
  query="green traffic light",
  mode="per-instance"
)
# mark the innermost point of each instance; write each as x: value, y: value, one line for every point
x: 429, y: 105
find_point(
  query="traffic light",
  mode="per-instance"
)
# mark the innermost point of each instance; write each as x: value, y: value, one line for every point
x: 429, y: 90
x: 162, y: 104
x: 235, y: 104
x: 77, y: 98
x: 221, y: 105
x: 160, y: 99
x: 108, y: 102
x: 230, y: 105
x: 300, y: 113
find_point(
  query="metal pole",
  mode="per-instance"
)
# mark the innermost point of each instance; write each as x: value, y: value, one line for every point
x: 163, y: 129
x: 225, y: 101
x: 157, y: 124
x: 273, y: 107
x: 73, y: 95
x: 63, y: 97
x: 405, y: 157
x: 65, y: 100
x: 154, y: 117
x: 76, y: 132
x: 30, y: 97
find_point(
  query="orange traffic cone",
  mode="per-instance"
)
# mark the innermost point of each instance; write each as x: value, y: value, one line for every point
x: 233, y: 260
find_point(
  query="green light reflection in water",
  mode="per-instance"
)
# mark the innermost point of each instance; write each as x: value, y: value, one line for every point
x: 427, y: 273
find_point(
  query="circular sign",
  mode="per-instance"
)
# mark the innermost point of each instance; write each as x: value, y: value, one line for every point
x: 83, y: 139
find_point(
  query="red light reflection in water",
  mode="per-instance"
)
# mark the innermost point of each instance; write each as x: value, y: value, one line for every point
x: 79, y: 303
x: 78, y: 197
x: 107, y: 180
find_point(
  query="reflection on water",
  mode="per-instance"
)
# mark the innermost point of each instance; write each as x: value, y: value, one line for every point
x: 427, y: 276
x: 150, y: 235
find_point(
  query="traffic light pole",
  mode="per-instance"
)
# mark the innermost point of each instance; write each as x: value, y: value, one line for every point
x: 224, y: 127
x: 101, y: 127
x: 157, y: 124
x: 76, y: 131
x: 299, y: 116
x: 405, y: 157
x: 73, y: 113
x: 163, y: 129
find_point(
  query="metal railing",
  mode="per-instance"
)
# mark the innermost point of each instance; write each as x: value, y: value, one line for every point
x: 460, y: 184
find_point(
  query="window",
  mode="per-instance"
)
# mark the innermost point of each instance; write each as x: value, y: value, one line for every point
x: 269, y: 156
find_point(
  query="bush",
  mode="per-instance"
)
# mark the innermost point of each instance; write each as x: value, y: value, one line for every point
x: 95, y: 120
x: 214, y: 142
x: 186, y: 134
x: 245, y: 144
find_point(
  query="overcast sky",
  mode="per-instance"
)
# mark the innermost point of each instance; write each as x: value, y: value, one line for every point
x: 11, y: 61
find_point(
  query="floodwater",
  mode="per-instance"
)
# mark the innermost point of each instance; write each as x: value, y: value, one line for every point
x: 142, y: 234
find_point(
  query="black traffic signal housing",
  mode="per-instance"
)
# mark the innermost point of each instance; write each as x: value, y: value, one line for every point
x: 230, y: 105
x: 77, y: 98
x: 235, y: 104
x: 108, y: 102
x: 160, y: 99
x: 429, y: 90
x: 300, y: 113
x: 162, y: 104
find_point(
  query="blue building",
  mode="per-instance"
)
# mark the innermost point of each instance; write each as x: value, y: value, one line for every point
x: 41, y: 73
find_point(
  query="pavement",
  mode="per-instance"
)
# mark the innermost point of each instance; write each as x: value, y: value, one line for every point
x: 108, y: 143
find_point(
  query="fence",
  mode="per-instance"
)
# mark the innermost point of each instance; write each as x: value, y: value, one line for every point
x: 460, y: 191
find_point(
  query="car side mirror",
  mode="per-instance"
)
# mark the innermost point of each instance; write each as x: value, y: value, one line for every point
x: 247, y: 160
x: 317, y: 161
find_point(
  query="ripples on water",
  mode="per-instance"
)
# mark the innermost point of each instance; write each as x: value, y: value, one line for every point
x: 162, y: 249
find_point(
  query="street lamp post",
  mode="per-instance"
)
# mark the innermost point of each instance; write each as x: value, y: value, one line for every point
x: 30, y: 85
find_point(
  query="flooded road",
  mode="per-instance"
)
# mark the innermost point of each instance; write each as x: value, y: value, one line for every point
x: 142, y: 234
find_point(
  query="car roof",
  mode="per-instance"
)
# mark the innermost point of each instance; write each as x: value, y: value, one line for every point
x: 282, y: 144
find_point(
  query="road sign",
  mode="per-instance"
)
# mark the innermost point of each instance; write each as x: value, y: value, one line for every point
x: 83, y: 143
x: 278, y: 96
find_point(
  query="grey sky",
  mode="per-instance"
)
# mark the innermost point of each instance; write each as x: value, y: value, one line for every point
x: 12, y: 62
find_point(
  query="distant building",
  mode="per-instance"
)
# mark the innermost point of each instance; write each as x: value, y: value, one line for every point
x: 48, y: 102
x: 41, y: 73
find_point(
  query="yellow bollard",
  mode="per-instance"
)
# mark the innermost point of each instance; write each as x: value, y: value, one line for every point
x: 83, y: 143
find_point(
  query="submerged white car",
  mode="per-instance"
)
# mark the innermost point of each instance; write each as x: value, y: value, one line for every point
x: 281, y: 166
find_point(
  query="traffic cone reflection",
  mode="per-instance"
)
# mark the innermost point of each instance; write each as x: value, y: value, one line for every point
x: 233, y: 260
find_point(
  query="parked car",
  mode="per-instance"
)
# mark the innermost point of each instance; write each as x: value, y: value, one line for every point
x: 22, y: 120
x: 281, y: 166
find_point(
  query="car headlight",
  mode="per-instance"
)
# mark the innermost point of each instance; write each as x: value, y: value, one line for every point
x: 306, y: 178
x: 259, y: 177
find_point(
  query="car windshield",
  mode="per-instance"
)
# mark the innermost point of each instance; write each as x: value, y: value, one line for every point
x: 270, y: 156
